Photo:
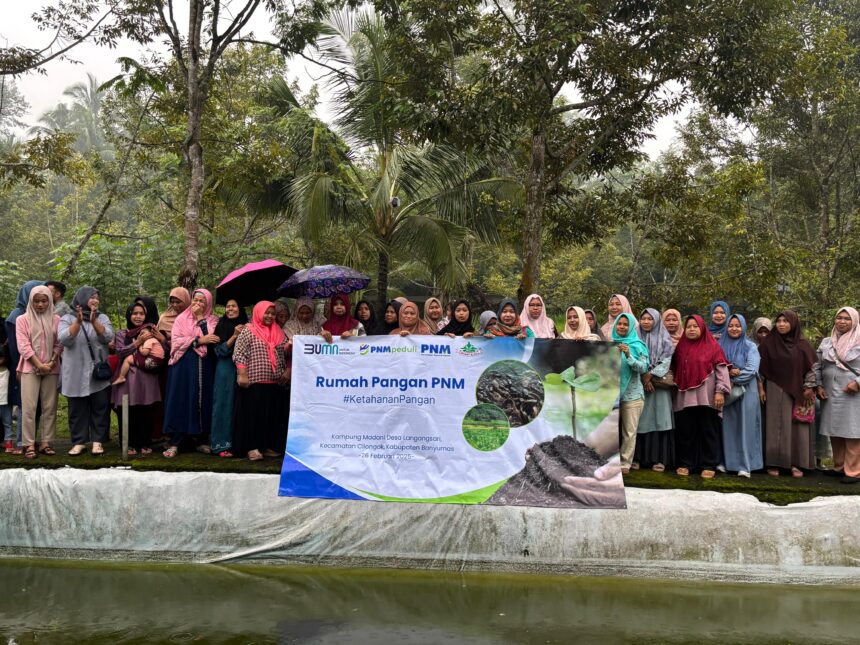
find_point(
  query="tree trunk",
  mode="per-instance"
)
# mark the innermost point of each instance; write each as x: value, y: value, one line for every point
x: 382, y: 283
x: 533, y: 223
x: 192, y: 148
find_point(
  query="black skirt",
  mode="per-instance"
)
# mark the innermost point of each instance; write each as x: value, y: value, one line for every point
x: 260, y: 418
x: 655, y: 448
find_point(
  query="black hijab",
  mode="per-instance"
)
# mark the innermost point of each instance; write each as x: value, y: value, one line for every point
x: 151, y: 309
x: 226, y: 326
x: 383, y: 328
x: 455, y: 327
x: 371, y: 324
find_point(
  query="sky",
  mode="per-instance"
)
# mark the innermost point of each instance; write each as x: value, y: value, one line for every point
x: 44, y: 90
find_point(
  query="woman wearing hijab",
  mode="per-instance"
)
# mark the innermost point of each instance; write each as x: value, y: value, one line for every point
x: 340, y: 322
x: 742, y: 448
x: 305, y: 322
x: 761, y: 329
x: 190, y: 374
x: 434, y: 314
x: 261, y: 402
x: 141, y: 386
x: 229, y: 326
x: 787, y: 361
x: 178, y: 301
x: 702, y: 378
x: 85, y: 336
x: 718, y: 318
x: 618, y: 304
x: 655, y: 445
x: 409, y: 324
x: 672, y: 322
x: 282, y: 312
x: 487, y: 320
x: 14, y: 356
x: 576, y: 325
x: 365, y: 314
x: 634, y: 362
x: 838, y: 376
x: 591, y: 317
x: 534, y: 317
x: 508, y: 322
x: 39, y: 369
x: 389, y: 321
x: 461, y: 322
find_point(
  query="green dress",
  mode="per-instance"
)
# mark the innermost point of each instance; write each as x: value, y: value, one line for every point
x: 223, y: 397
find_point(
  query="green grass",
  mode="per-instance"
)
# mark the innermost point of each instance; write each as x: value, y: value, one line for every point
x: 486, y: 435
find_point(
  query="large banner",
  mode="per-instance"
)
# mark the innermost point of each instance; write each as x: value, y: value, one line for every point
x: 454, y: 420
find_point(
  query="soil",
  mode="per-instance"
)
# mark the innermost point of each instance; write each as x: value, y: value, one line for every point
x: 547, y: 463
x: 514, y: 387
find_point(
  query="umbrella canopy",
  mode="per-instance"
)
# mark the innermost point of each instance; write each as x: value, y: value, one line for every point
x: 323, y: 282
x: 253, y: 282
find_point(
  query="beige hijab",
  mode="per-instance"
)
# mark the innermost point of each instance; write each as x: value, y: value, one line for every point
x: 41, y: 325
x: 582, y: 331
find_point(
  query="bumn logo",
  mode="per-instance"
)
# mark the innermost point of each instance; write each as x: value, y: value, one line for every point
x: 321, y: 349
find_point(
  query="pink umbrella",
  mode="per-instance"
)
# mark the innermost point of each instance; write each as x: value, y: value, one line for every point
x: 253, y: 282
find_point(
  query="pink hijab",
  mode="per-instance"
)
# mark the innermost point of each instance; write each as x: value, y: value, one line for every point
x: 41, y: 325
x: 846, y: 345
x: 677, y: 335
x: 186, y: 328
x: 610, y: 322
x: 542, y: 326
x: 272, y: 335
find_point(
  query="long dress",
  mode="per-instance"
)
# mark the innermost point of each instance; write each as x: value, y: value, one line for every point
x: 223, y: 397
x: 144, y: 396
x: 188, y: 400
x: 655, y: 442
x: 742, y: 430
x: 788, y: 442
x: 840, y: 412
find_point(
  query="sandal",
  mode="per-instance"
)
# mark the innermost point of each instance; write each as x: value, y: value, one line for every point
x: 206, y: 450
x: 796, y: 472
x: 30, y: 452
x: 47, y: 450
x: 658, y: 468
x: 271, y: 453
x: 12, y: 450
x: 634, y: 465
x: 77, y: 450
x: 254, y: 455
x: 171, y: 452
x: 146, y: 451
x: 773, y: 472
x: 708, y: 474
x: 625, y: 470
x: 132, y: 452
x: 225, y: 454
x: 97, y: 449
x: 682, y: 472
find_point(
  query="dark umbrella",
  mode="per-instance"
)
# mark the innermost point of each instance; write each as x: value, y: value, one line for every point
x: 323, y: 282
x: 253, y: 282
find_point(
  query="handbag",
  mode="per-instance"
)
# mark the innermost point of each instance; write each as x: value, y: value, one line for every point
x: 665, y: 382
x: 101, y: 369
x: 803, y: 412
x: 737, y: 392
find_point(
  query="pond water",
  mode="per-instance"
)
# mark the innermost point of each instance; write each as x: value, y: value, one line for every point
x: 69, y: 602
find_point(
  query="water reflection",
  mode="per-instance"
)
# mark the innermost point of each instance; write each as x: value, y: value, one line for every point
x: 51, y: 602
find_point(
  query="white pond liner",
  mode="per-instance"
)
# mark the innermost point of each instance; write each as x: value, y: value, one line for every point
x: 115, y: 514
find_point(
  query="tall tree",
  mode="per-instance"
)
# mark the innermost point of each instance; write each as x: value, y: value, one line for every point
x: 491, y: 70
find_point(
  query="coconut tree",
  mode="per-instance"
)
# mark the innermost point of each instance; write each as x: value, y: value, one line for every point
x: 421, y: 200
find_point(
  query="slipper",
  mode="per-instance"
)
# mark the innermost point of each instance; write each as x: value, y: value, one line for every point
x: 773, y: 472
x: 132, y: 452
x: 47, y: 450
x: 146, y: 451
x: 77, y: 450
x: 206, y: 450
x: 12, y: 450
x: 171, y: 452
x: 97, y: 449
x: 708, y: 474
x: 634, y: 465
x: 796, y: 472
x: 658, y: 468
x: 225, y: 454
x: 682, y: 472
x: 254, y: 455
x: 271, y: 453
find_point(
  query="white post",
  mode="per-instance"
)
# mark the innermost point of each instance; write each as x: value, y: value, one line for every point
x: 124, y: 430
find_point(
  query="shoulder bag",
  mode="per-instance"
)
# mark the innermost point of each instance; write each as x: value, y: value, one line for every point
x: 101, y: 369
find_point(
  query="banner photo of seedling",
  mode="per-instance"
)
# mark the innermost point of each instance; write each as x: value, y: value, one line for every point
x: 454, y: 421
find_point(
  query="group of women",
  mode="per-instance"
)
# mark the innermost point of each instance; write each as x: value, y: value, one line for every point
x: 695, y: 395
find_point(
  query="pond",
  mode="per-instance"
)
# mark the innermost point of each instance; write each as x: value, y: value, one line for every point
x: 73, y: 602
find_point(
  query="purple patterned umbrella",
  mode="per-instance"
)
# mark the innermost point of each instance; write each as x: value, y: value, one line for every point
x: 253, y: 282
x: 323, y: 282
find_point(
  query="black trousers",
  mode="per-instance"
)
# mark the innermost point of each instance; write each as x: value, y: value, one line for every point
x: 89, y: 417
x: 140, y: 418
x: 698, y: 437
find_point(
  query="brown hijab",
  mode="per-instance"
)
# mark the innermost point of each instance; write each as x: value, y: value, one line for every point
x: 786, y: 358
x: 420, y: 327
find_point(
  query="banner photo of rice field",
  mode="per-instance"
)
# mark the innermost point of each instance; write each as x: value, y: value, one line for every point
x: 454, y: 421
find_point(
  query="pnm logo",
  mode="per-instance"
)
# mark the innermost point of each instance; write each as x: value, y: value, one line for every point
x: 436, y: 350
x: 364, y: 350
x: 321, y: 349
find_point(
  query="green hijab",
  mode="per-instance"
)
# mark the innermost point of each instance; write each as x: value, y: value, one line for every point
x: 638, y: 349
